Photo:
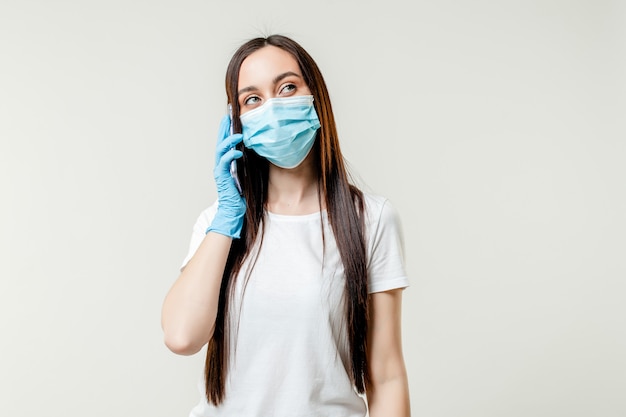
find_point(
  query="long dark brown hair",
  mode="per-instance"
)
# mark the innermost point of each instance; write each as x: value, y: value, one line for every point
x: 344, y: 206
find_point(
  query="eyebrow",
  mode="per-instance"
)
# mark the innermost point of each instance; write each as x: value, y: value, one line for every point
x: 280, y: 77
x: 276, y: 80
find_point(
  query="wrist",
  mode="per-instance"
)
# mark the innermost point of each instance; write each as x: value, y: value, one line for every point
x: 227, y: 224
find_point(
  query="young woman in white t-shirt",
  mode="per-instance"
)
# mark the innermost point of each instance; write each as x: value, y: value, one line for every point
x: 294, y: 276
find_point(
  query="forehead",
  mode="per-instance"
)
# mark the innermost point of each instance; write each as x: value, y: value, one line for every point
x: 263, y: 65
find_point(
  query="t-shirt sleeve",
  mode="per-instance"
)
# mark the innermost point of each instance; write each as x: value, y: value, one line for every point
x: 386, y: 266
x: 199, y: 231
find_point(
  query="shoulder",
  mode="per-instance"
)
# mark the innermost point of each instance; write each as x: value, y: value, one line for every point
x: 206, y: 217
x: 379, y: 211
x: 199, y: 231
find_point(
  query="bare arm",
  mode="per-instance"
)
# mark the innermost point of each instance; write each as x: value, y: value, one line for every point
x: 388, y: 393
x: 190, y: 307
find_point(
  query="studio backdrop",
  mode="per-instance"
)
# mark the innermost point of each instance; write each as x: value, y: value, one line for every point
x: 496, y: 128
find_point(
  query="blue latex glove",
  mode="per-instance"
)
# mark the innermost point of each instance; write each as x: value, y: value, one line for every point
x: 231, y: 207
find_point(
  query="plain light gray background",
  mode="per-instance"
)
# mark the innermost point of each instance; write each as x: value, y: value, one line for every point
x: 495, y: 127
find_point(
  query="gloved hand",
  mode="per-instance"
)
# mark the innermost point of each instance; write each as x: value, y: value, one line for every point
x: 231, y: 207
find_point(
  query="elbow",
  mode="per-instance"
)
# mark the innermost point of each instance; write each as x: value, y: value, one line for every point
x: 184, y: 336
x: 182, y: 344
x: 392, y: 371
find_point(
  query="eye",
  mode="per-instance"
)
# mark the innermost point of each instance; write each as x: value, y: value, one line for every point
x: 252, y: 100
x: 287, y: 89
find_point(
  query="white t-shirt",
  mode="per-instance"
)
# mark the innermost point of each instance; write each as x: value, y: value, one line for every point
x: 289, y: 349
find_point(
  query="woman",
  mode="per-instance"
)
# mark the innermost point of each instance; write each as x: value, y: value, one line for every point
x: 296, y: 283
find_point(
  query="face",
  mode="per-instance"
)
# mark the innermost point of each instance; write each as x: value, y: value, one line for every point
x: 268, y: 73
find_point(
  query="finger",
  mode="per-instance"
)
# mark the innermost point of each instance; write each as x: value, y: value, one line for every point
x: 227, y: 144
x: 232, y: 141
x: 223, y: 166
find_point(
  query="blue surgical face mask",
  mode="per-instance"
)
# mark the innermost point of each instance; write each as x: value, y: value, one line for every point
x: 282, y: 130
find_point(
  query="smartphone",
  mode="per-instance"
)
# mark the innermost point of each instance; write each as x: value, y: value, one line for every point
x: 233, y: 164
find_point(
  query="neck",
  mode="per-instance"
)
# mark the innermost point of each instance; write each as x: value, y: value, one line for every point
x: 293, y: 191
